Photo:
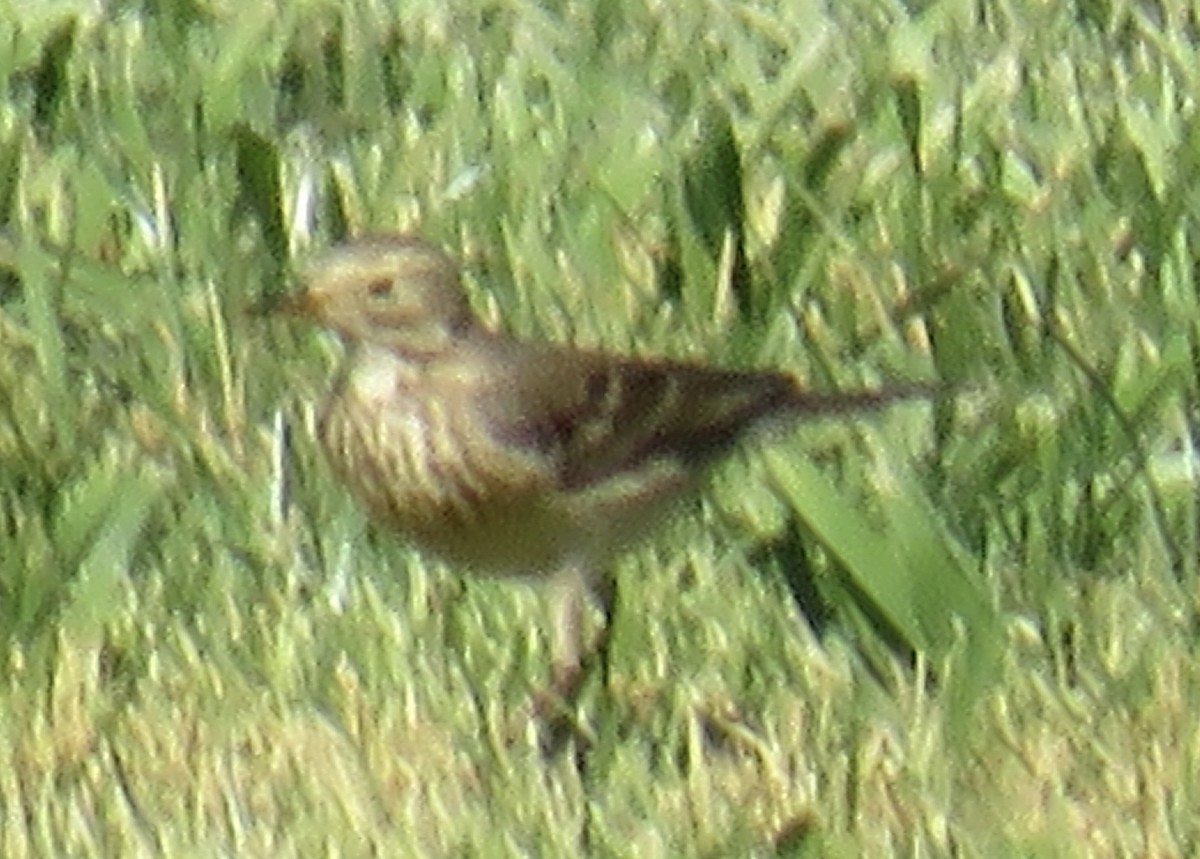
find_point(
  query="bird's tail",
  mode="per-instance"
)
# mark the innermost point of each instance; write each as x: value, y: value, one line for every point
x: 804, y: 403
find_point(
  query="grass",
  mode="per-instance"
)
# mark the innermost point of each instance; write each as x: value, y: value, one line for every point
x: 964, y: 629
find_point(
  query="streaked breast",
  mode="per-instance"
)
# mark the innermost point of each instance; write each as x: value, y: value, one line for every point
x: 422, y: 466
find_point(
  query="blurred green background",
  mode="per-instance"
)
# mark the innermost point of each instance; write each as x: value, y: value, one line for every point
x: 964, y: 628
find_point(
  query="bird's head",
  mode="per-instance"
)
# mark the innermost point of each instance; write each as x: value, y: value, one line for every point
x: 398, y: 292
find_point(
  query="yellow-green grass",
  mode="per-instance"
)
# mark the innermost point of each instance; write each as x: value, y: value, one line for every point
x: 956, y: 629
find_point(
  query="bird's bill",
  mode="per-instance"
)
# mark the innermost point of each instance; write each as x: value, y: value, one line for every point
x: 300, y: 304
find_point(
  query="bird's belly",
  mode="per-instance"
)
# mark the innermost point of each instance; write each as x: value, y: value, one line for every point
x: 433, y: 478
x: 427, y: 473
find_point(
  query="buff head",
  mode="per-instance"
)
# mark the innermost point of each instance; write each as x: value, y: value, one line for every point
x: 397, y: 292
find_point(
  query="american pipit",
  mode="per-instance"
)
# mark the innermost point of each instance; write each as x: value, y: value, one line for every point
x: 511, y: 457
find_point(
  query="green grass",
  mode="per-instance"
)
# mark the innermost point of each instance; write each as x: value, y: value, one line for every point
x: 964, y: 629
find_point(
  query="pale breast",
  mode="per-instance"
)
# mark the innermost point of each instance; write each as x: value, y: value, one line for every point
x: 415, y: 456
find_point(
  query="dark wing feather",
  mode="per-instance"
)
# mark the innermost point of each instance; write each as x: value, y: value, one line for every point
x: 597, y: 416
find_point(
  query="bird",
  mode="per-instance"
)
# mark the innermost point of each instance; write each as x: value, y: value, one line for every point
x: 515, y: 457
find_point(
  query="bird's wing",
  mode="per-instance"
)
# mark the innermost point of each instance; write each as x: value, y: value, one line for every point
x: 597, y: 417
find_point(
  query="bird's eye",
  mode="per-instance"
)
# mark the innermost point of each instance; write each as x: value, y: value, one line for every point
x: 380, y: 288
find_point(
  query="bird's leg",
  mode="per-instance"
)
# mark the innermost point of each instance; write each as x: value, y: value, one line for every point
x: 569, y: 599
x: 604, y: 591
x: 575, y: 653
x: 574, y: 592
